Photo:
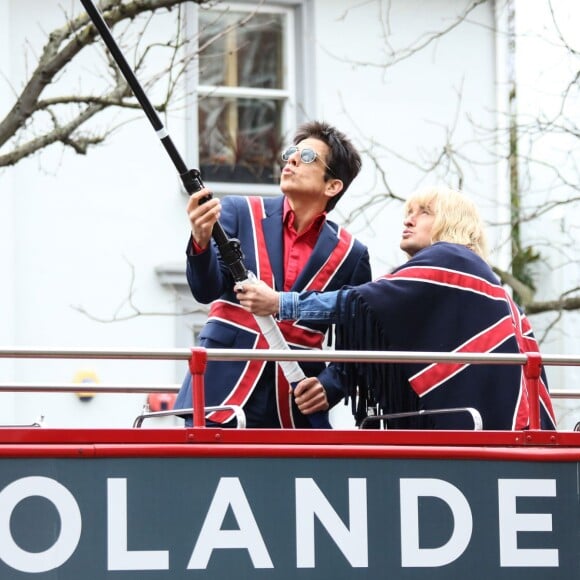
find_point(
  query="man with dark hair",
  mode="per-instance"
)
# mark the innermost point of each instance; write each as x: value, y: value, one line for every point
x: 290, y: 245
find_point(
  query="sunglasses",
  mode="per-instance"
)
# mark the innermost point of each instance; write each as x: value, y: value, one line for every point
x: 307, y: 155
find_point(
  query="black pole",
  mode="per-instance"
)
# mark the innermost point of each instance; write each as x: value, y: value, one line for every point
x: 191, y: 178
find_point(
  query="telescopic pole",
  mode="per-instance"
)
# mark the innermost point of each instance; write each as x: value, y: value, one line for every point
x: 229, y: 248
x: 191, y: 178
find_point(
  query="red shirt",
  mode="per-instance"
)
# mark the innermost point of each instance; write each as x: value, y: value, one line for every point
x: 297, y: 247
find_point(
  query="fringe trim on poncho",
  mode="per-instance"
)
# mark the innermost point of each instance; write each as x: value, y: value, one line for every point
x: 370, y: 385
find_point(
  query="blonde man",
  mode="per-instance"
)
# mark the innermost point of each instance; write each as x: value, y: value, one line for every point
x: 455, y: 219
x: 444, y: 298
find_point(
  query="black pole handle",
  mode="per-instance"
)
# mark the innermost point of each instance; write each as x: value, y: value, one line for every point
x: 230, y: 248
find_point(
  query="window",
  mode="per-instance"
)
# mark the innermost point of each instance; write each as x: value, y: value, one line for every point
x: 246, y: 89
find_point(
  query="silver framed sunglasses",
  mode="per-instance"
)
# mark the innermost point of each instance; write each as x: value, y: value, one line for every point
x: 307, y: 155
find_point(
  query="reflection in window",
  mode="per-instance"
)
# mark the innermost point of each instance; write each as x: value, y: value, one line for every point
x: 241, y: 95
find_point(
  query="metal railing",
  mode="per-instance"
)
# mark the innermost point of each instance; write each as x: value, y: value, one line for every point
x: 474, y: 414
x: 223, y: 354
x: 198, y: 357
x: 238, y: 412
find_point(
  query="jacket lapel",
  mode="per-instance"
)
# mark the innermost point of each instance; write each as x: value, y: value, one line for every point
x: 273, y: 234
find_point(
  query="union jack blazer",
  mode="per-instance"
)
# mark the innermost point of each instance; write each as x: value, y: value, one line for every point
x: 337, y: 260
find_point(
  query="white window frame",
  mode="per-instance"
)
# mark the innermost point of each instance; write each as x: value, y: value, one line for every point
x: 297, y: 91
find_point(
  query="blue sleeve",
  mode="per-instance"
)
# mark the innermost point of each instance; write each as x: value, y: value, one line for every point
x: 320, y: 306
x: 208, y: 275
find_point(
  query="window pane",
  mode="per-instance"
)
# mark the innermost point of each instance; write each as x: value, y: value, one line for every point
x: 248, y: 55
x: 240, y: 139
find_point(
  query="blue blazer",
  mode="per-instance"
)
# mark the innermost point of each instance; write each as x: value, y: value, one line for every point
x: 209, y: 279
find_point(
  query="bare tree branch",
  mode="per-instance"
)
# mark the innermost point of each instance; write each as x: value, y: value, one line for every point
x: 395, y: 56
x: 134, y: 311
x: 64, y: 44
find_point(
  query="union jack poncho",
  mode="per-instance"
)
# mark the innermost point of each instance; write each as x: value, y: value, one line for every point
x: 444, y: 299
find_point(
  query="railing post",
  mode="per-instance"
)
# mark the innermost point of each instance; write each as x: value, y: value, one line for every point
x: 197, y: 364
x: 532, y: 372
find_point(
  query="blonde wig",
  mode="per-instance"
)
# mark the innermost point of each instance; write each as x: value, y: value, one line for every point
x: 457, y: 219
